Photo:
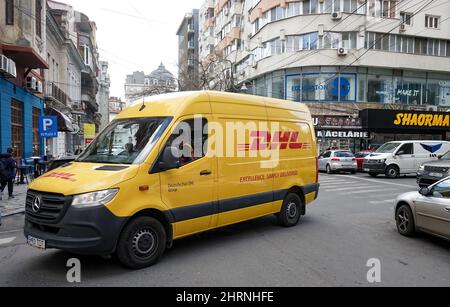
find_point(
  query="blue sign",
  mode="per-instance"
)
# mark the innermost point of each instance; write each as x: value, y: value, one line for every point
x: 341, y: 87
x: 432, y: 148
x: 48, y: 126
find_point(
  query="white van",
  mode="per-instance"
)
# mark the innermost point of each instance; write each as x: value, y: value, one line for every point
x: 403, y: 157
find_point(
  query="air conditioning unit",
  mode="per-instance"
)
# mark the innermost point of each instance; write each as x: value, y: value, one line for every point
x: 342, y: 51
x: 39, y: 88
x: 336, y: 16
x: 7, y: 67
x: 402, y: 27
x: 31, y: 84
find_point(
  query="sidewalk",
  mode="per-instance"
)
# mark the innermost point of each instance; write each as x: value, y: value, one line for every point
x: 14, y: 206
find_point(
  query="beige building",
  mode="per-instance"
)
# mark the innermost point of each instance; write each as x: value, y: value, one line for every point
x: 338, y: 56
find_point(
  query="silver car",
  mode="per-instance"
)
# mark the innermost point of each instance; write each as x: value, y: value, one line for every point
x: 333, y: 161
x: 427, y: 210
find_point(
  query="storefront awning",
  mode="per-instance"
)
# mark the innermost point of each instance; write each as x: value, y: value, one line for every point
x: 64, y: 122
x: 26, y: 56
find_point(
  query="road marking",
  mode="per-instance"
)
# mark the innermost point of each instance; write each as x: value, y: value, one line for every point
x: 383, y: 182
x: 348, y: 189
x: 334, y: 181
x: 379, y: 202
x: 365, y: 191
x: 10, y: 231
x: 7, y: 240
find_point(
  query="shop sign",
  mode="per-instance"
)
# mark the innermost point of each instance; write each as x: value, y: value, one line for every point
x: 89, y: 131
x: 337, y: 122
x: 405, y: 120
x: 342, y: 134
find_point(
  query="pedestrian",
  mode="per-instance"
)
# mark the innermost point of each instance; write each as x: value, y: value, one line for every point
x: 9, y: 166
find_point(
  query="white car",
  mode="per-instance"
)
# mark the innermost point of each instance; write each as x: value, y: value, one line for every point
x: 427, y: 210
x: 338, y: 161
x: 403, y: 157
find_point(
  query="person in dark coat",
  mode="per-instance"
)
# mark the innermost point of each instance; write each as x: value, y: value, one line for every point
x: 10, y: 166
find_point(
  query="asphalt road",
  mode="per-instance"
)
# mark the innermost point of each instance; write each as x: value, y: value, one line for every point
x: 350, y: 223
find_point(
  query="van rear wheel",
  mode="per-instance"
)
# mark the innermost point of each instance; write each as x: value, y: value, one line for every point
x: 291, y: 211
x: 142, y: 243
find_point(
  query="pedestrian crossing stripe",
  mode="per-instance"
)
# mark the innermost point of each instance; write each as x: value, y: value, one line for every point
x: 366, y: 191
x: 379, y: 202
x: 7, y: 240
x: 347, y: 189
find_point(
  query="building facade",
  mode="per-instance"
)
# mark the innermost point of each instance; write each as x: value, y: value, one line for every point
x: 159, y: 81
x: 116, y: 105
x: 103, y: 94
x: 340, y: 57
x: 188, y: 53
x: 23, y: 60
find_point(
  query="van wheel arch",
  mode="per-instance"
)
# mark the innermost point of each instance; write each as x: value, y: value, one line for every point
x: 161, y: 217
x: 299, y: 191
x: 393, y: 165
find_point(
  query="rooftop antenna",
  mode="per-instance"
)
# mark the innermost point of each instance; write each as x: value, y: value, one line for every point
x: 143, y: 104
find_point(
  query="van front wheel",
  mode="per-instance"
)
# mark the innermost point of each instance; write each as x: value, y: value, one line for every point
x: 291, y: 211
x: 392, y: 172
x: 142, y: 243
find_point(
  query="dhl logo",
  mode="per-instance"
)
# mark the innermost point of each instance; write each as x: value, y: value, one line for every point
x: 279, y: 140
x: 63, y: 176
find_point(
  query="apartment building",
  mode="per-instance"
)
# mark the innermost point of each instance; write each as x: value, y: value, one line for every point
x: 188, y: 52
x: 341, y: 57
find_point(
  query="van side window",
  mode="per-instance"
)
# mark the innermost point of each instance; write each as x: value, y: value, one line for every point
x: 190, y: 137
x: 408, y: 149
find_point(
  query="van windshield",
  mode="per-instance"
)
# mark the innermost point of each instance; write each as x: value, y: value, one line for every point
x: 388, y: 148
x: 125, y: 141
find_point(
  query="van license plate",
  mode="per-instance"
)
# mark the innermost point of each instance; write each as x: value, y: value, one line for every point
x: 436, y: 175
x: 35, y: 242
x: 367, y: 170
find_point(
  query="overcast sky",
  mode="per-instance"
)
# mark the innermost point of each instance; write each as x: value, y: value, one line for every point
x: 136, y: 34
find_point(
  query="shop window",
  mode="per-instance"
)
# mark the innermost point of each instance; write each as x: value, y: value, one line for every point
x: 278, y: 87
x: 379, y: 89
x: 410, y: 91
x: 17, y: 128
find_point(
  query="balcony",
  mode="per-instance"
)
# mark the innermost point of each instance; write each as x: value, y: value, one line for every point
x: 55, y: 94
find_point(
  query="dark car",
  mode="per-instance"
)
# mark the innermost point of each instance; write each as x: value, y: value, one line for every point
x: 431, y: 172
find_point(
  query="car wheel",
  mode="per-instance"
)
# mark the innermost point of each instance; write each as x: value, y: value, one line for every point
x: 329, y: 171
x: 142, y: 243
x: 392, y: 172
x: 291, y: 211
x: 374, y: 175
x: 405, y: 221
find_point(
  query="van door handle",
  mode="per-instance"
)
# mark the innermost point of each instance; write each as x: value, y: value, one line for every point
x: 205, y: 173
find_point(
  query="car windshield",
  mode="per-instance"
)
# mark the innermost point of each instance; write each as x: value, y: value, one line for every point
x: 446, y: 157
x: 344, y: 154
x: 125, y: 141
x: 388, y: 148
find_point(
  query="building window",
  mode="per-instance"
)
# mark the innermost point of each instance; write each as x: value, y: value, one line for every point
x: 9, y: 12
x: 38, y: 18
x: 17, y: 128
x: 432, y: 22
x: 36, y: 138
x: 86, y: 54
x: 406, y: 18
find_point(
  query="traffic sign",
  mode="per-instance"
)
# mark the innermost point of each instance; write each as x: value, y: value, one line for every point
x: 48, y: 126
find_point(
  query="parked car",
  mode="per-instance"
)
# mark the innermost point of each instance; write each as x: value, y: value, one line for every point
x: 403, y: 157
x: 360, y: 156
x: 426, y: 211
x: 338, y: 161
x: 431, y: 172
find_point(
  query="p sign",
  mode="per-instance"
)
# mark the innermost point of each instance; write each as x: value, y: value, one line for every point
x: 48, y: 126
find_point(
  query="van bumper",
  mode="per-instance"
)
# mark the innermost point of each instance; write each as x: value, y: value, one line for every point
x: 92, y: 231
x: 377, y: 168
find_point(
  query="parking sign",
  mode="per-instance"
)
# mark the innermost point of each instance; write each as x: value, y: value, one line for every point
x: 48, y: 126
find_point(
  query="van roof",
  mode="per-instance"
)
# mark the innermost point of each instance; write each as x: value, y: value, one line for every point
x: 174, y: 104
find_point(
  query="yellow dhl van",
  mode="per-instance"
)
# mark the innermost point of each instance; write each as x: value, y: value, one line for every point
x: 175, y: 165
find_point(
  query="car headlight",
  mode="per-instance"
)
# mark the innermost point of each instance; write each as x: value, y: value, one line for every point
x: 422, y: 168
x: 95, y: 199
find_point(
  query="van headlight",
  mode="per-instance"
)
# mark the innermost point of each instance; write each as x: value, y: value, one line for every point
x: 94, y: 199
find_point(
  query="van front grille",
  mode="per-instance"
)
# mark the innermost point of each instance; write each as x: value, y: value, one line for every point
x: 51, y: 210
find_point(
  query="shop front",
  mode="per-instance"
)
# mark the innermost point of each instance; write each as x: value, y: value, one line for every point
x: 391, y: 125
x: 340, y: 132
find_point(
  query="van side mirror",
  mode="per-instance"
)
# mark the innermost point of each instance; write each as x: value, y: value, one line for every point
x: 440, y: 157
x: 425, y: 191
x: 170, y: 159
x: 400, y: 153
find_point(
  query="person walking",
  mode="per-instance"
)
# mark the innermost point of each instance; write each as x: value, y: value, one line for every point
x: 9, y: 165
